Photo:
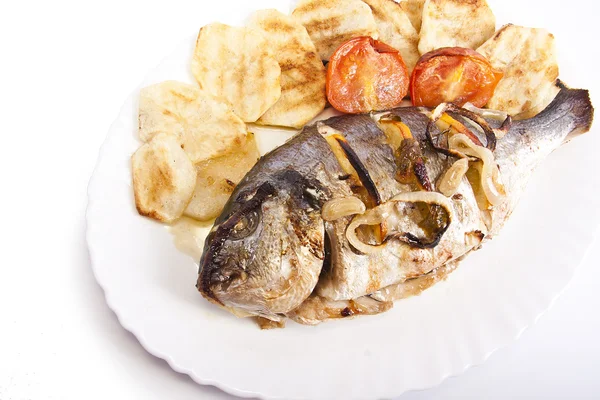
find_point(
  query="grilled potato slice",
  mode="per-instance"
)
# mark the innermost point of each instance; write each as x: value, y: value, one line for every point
x: 218, y: 177
x: 237, y: 64
x: 302, y: 72
x: 414, y: 11
x: 163, y: 178
x: 205, y: 127
x: 160, y: 105
x: 527, y: 57
x: 455, y: 23
x: 333, y: 22
x: 395, y: 29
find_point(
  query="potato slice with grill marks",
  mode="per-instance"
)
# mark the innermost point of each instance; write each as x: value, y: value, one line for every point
x: 333, y: 22
x: 527, y: 57
x: 302, y: 72
x: 163, y: 178
x: 238, y: 65
x: 205, y: 126
x: 455, y: 23
x: 218, y: 177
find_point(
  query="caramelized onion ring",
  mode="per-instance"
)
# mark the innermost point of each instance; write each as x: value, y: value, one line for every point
x: 383, y: 213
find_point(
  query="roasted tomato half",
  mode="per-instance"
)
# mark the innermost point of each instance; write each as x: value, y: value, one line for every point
x: 365, y: 75
x: 453, y: 75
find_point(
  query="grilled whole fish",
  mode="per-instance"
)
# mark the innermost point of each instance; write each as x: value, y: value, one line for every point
x: 272, y: 254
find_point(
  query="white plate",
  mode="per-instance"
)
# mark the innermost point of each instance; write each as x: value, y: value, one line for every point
x: 484, y: 305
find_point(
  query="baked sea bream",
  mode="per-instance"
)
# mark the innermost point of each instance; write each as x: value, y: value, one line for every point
x: 359, y: 210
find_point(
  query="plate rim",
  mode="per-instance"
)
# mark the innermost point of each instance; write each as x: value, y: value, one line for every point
x: 231, y: 388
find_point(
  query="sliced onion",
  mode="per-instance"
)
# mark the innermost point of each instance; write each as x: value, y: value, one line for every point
x: 490, y: 177
x: 342, y: 207
x: 485, y: 113
x: 438, y: 111
x: 447, y: 122
x: 450, y: 181
x: 394, y: 129
x: 373, y: 217
x: 382, y: 213
x: 424, y: 197
x: 491, y: 114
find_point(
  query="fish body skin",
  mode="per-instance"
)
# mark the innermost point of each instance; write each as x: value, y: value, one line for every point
x: 290, y: 252
x: 351, y: 274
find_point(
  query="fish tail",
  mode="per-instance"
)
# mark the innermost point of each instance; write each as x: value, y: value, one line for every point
x: 571, y: 108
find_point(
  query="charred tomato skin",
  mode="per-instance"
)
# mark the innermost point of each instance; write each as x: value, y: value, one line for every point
x: 366, y: 75
x: 453, y: 75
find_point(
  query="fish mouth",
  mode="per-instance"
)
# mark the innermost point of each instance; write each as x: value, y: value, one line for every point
x: 248, y: 214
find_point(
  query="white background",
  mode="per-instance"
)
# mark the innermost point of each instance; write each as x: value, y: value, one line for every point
x: 65, y: 68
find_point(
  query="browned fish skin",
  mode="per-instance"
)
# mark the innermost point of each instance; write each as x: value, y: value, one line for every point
x: 271, y: 268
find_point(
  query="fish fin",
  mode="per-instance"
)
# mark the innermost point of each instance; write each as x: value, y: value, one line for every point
x: 573, y: 102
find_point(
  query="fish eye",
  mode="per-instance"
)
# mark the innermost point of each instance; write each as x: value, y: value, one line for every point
x: 246, y: 225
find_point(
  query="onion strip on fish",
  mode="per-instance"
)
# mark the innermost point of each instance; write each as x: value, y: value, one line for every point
x: 504, y: 128
x: 438, y: 113
x: 490, y: 177
x: 450, y: 180
x: 462, y: 144
x: 341, y: 207
x: 386, y: 213
x: 494, y: 115
x: 446, y: 122
x: 394, y: 129
x: 486, y: 113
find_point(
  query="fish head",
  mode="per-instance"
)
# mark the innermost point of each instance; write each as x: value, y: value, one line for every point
x: 265, y: 252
